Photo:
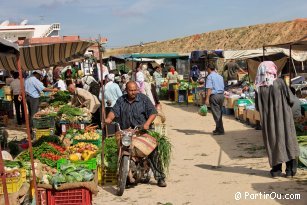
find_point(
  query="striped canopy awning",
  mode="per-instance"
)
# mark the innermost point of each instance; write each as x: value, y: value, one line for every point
x: 44, y: 56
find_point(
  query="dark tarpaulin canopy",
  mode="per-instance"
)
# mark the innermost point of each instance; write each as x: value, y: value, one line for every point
x: 7, y: 48
x: 300, y: 45
x: 155, y: 55
x: 45, y: 55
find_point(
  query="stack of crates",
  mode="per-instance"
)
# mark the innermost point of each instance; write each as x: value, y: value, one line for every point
x: 43, y: 126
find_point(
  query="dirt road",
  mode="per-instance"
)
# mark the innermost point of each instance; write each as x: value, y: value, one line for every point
x: 208, y: 169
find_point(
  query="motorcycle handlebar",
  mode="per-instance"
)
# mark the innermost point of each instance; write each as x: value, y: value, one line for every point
x: 138, y: 127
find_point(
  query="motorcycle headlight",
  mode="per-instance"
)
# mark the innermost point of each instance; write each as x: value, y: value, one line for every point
x: 126, y: 140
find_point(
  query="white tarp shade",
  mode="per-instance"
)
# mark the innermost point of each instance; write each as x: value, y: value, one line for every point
x: 246, y: 54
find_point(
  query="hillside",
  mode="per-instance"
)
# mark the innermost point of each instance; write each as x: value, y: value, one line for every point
x: 248, y: 37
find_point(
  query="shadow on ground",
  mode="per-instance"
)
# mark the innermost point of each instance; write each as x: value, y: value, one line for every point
x: 235, y: 169
x: 236, y: 144
x: 280, y: 190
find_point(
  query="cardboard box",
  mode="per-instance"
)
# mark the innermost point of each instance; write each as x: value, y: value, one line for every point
x: 230, y: 102
x: 257, y: 116
x: 244, y: 115
x: 250, y: 114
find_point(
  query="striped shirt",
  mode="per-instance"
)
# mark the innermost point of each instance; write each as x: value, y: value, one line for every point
x: 132, y: 114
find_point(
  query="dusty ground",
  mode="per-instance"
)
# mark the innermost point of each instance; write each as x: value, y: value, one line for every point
x: 210, y: 169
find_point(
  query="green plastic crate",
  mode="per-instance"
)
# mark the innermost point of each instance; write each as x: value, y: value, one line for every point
x: 90, y: 164
x: 98, y: 142
x: 304, y: 107
x: 244, y: 102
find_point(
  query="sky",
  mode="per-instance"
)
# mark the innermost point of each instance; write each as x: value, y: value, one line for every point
x: 130, y: 22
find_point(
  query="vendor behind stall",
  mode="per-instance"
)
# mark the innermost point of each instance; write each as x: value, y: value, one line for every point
x: 296, y: 108
x: 232, y: 69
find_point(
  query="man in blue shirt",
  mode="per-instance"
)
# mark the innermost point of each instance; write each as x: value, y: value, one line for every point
x: 33, y: 88
x: 215, y: 97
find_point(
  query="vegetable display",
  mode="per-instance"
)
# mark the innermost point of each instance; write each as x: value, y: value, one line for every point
x: 49, y: 159
x: 110, y: 153
x: 86, y: 150
x: 74, y: 114
x: 71, y: 173
x: 52, y: 138
x: 37, y: 154
x: 164, y: 149
x: 60, y: 98
x: 88, y: 136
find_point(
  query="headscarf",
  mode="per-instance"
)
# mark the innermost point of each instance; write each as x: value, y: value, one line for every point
x: 172, y: 70
x: 126, y: 76
x: 266, y: 74
x: 140, y: 81
x: 111, y: 77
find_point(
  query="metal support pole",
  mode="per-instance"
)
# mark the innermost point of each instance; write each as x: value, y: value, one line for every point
x: 3, y: 178
x: 103, y: 114
x: 22, y: 87
x: 290, y: 67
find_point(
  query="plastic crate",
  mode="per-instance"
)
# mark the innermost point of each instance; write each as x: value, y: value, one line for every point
x: 23, y: 174
x: 38, y: 133
x: 304, y: 107
x: 6, y: 105
x: 44, y: 122
x: 241, y: 102
x: 80, y: 196
x: 106, y: 177
x: 13, y: 184
x: 98, y: 142
x: 42, y: 196
x: 161, y: 129
x: 90, y: 164
x: 67, y: 125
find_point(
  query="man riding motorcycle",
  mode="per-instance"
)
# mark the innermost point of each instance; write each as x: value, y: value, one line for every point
x: 133, y: 109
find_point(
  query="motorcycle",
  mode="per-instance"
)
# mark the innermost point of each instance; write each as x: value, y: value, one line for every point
x: 133, y: 165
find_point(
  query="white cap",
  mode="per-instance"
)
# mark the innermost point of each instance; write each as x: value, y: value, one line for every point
x: 38, y: 71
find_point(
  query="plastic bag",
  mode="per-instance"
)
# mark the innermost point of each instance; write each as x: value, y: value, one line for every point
x: 203, y: 110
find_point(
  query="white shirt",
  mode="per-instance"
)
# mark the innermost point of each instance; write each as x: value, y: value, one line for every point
x: 61, y: 85
x: 15, y: 86
x: 105, y: 71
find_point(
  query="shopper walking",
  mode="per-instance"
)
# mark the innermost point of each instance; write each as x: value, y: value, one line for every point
x: 15, y: 87
x: 274, y: 101
x: 215, y: 98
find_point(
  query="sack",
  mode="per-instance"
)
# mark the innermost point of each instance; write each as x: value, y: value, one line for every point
x: 203, y: 110
x: 144, y: 144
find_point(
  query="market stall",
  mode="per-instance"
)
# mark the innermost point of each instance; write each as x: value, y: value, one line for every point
x: 48, y: 149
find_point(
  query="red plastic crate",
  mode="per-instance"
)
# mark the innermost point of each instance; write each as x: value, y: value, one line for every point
x: 80, y: 196
x: 42, y: 196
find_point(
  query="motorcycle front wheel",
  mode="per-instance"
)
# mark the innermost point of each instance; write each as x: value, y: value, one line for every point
x: 123, y: 174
